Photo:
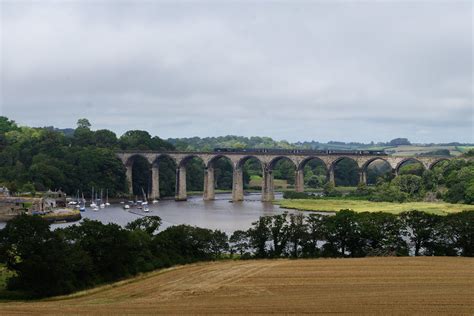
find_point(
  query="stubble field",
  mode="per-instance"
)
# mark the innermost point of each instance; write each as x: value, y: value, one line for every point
x: 434, y: 285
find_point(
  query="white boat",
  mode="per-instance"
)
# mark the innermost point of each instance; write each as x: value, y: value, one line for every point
x: 146, y: 209
x: 154, y: 201
x: 95, y: 208
x: 107, y: 199
x: 93, y: 204
x: 126, y: 206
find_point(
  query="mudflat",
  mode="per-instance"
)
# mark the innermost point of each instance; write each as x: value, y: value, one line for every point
x: 407, y: 285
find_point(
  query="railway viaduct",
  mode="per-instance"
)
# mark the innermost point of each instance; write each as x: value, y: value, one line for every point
x: 267, y: 161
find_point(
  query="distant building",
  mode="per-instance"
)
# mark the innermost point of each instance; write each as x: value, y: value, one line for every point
x: 4, y: 191
x: 54, y: 199
x: 12, y: 206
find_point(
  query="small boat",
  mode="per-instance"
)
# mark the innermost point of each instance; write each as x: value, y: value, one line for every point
x: 146, y: 209
x: 154, y: 201
x: 126, y: 206
x: 93, y: 204
x: 107, y: 199
x: 102, y: 204
x: 95, y: 208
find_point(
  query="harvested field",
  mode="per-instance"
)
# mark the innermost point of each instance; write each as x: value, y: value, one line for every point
x: 424, y: 285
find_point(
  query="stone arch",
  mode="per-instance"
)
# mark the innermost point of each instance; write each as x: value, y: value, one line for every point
x: 162, y: 178
x: 183, y: 162
x: 130, y: 160
x: 288, y: 175
x: 217, y: 177
x: 299, y: 180
x: 213, y: 160
x: 277, y: 159
x: 244, y: 159
x: 437, y: 161
x: 364, y: 170
x: 368, y: 162
x: 333, y: 166
x: 303, y: 163
x: 161, y: 157
x: 403, y: 161
x: 132, y: 174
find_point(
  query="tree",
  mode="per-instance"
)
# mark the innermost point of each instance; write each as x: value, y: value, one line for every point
x: 296, y: 234
x: 278, y: 234
x: 459, y: 229
x: 342, y: 232
x: 399, y: 142
x: 259, y: 234
x: 83, y: 123
x: 239, y: 241
x: 420, y: 228
x: 381, y: 233
x: 44, y: 263
x: 315, y: 232
x: 148, y: 224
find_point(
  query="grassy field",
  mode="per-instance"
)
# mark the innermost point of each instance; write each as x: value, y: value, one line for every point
x: 333, y: 205
x: 407, y: 285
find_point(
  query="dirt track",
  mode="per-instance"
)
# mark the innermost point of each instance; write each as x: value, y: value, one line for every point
x: 371, y: 285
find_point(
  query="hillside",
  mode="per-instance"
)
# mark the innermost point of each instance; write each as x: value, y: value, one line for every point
x: 370, y: 285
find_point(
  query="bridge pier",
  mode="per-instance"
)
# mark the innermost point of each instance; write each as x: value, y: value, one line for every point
x: 209, y: 193
x: 299, y: 181
x: 155, y: 183
x: 129, y: 176
x: 267, y: 185
x: 362, y: 177
x: 181, y: 194
x: 331, y: 175
x: 237, y: 184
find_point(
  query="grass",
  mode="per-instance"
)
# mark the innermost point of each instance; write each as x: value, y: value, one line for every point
x: 334, y: 205
x: 407, y: 285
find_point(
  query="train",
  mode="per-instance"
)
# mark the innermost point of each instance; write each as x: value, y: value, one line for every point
x: 302, y: 151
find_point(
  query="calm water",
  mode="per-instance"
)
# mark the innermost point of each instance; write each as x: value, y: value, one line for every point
x: 218, y: 214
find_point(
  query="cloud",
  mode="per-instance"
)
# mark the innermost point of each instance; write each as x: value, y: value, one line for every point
x: 355, y: 71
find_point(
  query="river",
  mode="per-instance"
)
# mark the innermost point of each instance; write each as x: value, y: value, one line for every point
x: 218, y: 214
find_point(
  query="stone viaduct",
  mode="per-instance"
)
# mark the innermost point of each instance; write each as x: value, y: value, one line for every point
x: 267, y: 161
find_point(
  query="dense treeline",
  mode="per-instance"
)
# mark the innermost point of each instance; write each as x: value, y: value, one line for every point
x: 38, y: 159
x: 49, y: 262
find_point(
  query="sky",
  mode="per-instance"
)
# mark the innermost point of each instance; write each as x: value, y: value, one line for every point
x: 292, y: 70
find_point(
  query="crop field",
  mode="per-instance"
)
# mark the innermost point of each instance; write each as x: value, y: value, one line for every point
x: 334, y: 205
x: 414, y: 150
x: 405, y: 285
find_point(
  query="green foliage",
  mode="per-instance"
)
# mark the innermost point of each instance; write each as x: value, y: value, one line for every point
x: 148, y: 224
x: 38, y: 159
x: 329, y: 190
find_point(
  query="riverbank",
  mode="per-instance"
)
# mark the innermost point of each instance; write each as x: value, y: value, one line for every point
x: 335, y: 205
x: 407, y: 285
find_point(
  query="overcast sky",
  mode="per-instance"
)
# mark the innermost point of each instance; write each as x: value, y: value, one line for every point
x: 348, y: 70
